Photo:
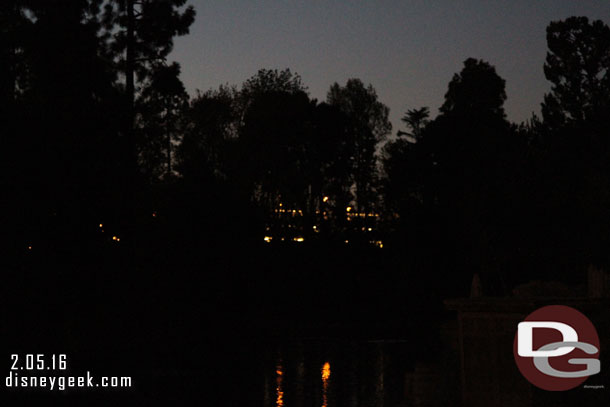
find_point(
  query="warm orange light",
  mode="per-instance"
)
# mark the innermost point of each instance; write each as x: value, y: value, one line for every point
x: 326, y: 372
x: 268, y: 239
x: 280, y: 392
x: 325, y: 199
x: 29, y: 247
x: 349, y: 208
x: 299, y: 239
x: 378, y: 243
x: 114, y: 238
x: 325, y: 379
x: 101, y: 225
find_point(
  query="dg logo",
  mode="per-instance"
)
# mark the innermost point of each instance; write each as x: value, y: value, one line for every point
x: 556, y: 348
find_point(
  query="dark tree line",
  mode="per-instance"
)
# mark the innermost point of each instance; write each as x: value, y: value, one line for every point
x: 278, y: 150
x: 511, y: 201
x: 97, y: 128
x: 76, y: 77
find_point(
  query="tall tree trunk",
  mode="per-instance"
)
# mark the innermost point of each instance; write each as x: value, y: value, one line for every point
x: 9, y: 50
x: 168, y: 135
x: 131, y: 177
x: 130, y: 80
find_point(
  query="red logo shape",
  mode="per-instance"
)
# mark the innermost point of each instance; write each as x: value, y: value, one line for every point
x: 569, y: 320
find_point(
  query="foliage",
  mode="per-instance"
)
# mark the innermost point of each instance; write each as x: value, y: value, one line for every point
x: 578, y: 67
x: 368, y: 126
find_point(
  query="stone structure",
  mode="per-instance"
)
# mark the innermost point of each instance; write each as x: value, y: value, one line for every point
x: 486, y: 331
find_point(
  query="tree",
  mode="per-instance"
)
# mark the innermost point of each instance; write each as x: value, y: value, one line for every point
x: 267, y: 81
x: 63, y: 167
x: 14, y: 27
x: 273, y: 108
x: 163, y: 103
x: 450, y: 187
x: 330, y: 152
x: 476, y: 92
x: 209, y: 134
x: 273, y: 146
x: 576, y: 144
x: 416, y: 120
x: 369, y: 125
x: 141, y: 35
x: 578, y: 67
x: 403, y: 165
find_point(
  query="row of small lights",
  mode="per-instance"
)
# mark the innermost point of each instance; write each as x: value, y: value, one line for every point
x: 377, y: 243
x: 298, y: 239
x: 268, y: 239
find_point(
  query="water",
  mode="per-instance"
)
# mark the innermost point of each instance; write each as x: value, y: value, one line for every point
x: 326, y: 373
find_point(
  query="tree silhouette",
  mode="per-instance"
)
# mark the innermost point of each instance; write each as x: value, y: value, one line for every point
x: 403, y: 164
x: 274, y: 137
x: 449, y: 187
x: 416, y: 120
x: 162, y: 104
x: 369, y: 125
x: 273, y: 109
x: 209, y: 135
x: 267, y: 81
x: 13, y: 34
x: 575, y: 138
x: 330, y: 152
x: 64, y: 164
x: 141, y: 35
x: 578, y: 66
x: 477, y: 91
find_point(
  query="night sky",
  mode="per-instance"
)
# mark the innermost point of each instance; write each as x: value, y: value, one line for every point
x: 408, y: 50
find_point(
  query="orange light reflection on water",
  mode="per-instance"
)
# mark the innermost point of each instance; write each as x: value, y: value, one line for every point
x: 280, y: 392
x: 325, y: 381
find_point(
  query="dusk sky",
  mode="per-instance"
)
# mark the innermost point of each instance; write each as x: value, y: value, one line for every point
x: 408, y: 50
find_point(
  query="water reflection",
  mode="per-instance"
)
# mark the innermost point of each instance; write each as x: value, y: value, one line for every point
x: 379, y: 377
x: 325, y: 380
x: 279, y: 371
x: 331, y: 373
